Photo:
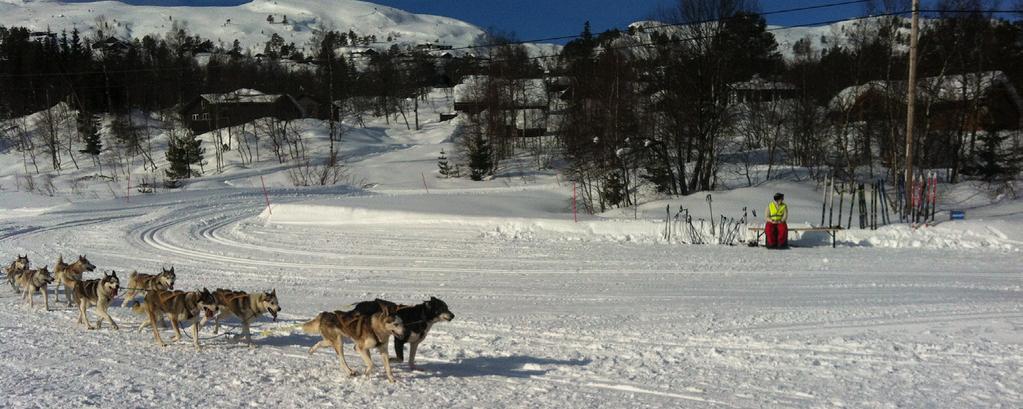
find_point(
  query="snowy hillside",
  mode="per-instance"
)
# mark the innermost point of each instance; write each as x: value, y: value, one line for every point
x: 820, y: 37
x: 246, y: 22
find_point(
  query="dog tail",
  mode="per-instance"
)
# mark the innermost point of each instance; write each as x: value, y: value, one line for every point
x: 312, y: 327
x: 136, y: 307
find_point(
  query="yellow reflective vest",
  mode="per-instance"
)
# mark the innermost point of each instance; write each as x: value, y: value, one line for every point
x: 777, y: 213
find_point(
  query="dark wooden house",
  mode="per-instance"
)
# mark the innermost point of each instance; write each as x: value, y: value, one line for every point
x: 214, y: 111
x: 524, y: 112
x: 312, y: 107
x: 760, y: 90
x: 984, y: 101
x: 112, y: 45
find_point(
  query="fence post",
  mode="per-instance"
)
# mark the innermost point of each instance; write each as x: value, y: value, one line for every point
x: 266, y: 195
x: 575, y: 217
x: 424, y: 182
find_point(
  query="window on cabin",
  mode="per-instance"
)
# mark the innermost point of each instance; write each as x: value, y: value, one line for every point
x: 195, y: 117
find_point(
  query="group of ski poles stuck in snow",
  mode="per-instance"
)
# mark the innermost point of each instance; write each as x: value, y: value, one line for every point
x: 869, y: 201
x: 369, y: 324
x: 873, y: 204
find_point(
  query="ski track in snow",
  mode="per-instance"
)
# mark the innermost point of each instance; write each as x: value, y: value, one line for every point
x: 539, y: 323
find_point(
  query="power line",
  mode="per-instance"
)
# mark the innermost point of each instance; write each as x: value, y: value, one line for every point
x: 710, y: 36
x: 975, y: 11
x: 553, y: 56
x: 489, y: 45
x: 574, y: 36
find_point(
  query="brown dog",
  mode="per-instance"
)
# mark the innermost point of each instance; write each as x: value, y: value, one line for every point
x: 35, y: 280
x: 365, y: 331
x: 68, y: 274
x: 177, y: 306
x: 246, y: 307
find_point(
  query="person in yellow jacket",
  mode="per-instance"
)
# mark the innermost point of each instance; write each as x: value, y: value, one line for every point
x: 777, y: 228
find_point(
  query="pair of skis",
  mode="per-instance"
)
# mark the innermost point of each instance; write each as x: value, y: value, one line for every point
x: 872, y: 213
x: 924, y: 198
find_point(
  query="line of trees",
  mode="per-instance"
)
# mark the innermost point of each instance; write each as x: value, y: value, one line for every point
x: 80, y: 85
x: 656, y: 110
x: 645, y: 108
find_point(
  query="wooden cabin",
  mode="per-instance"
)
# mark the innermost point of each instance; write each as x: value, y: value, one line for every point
x: 214, y: 111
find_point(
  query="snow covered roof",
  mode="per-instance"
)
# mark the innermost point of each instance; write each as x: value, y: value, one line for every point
x: 760, y: 84
x: 529, y: 92
x: 469, y: 87
x: 847, y: 97
x: 947, y: 88
x: 962, y: 87
x: 242, y: 96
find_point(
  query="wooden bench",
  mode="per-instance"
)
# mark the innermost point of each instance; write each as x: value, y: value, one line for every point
x: 832, y: 231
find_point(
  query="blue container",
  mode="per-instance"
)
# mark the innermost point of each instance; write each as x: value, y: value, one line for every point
x: 957, y: 215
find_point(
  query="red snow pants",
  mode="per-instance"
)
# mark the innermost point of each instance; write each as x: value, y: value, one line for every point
x: 777, y: 234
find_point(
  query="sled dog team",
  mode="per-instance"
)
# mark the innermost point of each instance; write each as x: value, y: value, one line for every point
x: 371, y: 324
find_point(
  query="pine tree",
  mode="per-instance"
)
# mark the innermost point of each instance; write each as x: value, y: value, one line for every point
x: 481, y: 158
x: 88, y: 131
x: 177, y: 159
x: 995, y: 161
x: 614, y: 189
x: 274, y: 46
x: 442, y: 163
x: 182, y: 153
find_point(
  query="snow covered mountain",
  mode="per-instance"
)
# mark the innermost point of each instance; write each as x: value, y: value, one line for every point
x: 250, y: 23
x: 820, y: 37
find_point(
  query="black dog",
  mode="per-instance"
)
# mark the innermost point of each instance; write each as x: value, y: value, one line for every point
x: 417, y: 320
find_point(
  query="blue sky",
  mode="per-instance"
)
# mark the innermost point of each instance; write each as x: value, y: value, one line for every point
x: 532, y: 19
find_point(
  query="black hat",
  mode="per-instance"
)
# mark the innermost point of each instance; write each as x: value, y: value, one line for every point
x: 778, y: 196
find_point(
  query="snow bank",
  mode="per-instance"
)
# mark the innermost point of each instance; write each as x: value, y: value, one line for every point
x: 544, y: 214
x: 564, y: 228
x: 943, y: 236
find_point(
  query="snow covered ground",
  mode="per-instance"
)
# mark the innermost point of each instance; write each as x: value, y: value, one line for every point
x: 549, y: 312
x: 540, y: 322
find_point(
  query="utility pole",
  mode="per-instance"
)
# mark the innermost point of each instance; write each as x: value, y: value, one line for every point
x: 911, y: 98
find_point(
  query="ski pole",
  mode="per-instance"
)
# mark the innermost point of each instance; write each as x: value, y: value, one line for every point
x: 710, y: 204
x: 667, y: 222
x: 841, y: 202
x: 852, y: 203
x: 831, y: 207
x: 824, y: 199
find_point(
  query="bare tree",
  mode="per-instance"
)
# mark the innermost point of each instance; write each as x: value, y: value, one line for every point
x: 762, y: 128
x: 50, y: 134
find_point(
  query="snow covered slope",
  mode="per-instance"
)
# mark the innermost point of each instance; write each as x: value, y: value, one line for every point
x: 246, y: 22
x: 820, y: 37
x: 603, y: 313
